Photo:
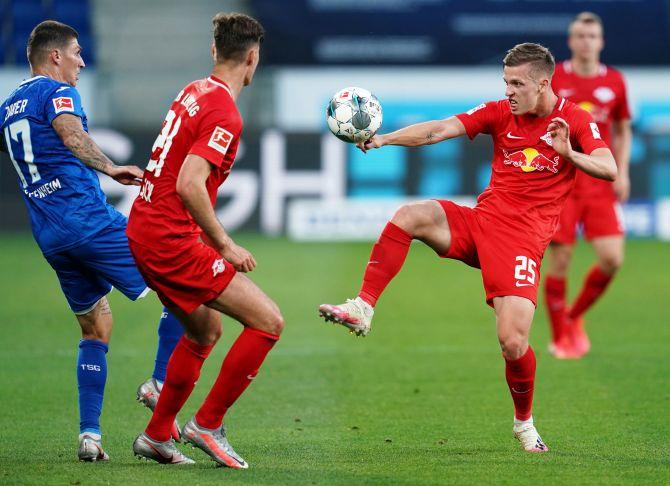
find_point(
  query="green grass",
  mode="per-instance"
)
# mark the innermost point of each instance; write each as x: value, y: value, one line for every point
x: 421, y: 400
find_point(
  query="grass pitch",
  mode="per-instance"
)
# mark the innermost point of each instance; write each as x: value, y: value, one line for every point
x: 421, y: 400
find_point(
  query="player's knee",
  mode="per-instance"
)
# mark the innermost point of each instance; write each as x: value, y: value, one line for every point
x: 513, y: 346
x: 274, y: 323
x: 414, y: 217
x: 560, y: 261
x: 213, y: 334
x: 610, y: 262
x: 405, y: 217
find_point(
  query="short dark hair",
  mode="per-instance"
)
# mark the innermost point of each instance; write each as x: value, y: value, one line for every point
x: 537, y: 55
x: 234, y: 33
x: 586, y: 18
x: 46, y: 36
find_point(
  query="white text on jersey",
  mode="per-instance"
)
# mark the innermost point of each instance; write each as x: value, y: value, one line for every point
x: 190, y: 104
x: 15, y: 108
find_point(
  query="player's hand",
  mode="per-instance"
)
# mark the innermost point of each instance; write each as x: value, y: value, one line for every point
x: 375, y: 142
x: 129, y: 175
x: 559, y: 131
x: 241, y: 259
x: 622, y: 187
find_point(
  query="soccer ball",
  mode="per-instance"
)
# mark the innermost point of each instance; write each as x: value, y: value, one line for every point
x: 354, y: 115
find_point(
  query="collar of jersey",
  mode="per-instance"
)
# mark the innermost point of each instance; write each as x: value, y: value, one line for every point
x: 220, y: 83
x: 32, y: 79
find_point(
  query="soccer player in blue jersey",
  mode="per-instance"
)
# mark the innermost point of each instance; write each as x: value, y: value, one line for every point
x: 44, y: 130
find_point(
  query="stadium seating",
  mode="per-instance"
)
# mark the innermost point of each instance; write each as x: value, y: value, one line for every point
x: 19, y: 17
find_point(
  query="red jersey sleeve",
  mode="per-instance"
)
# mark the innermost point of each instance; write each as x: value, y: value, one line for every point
x: 621, y: 110
x: 480, y: 119
x: 214, y: 135
x: 586, y: 132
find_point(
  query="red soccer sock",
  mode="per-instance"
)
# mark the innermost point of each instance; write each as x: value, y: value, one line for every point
x: 520, y: 376
x: 239, y: 367
x: 386, y: 260
x: 595, y: 283
x: 554, y: 294
x: 183, y: 370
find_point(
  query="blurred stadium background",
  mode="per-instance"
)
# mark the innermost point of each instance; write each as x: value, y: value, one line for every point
x: 423, y: 59
x: 445, y: 417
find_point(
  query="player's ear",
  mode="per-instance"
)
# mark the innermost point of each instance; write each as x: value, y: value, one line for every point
x: 213, y: 50
x: 251, y: 56
x: 55, y: 56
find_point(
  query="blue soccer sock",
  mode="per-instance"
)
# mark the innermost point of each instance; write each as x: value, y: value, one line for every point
x: 91, y: 378
x: 169, y: 334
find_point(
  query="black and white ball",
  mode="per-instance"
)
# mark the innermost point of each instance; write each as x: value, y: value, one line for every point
x: 354, y: 115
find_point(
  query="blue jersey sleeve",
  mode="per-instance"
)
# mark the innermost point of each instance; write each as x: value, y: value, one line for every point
x: 65, y: 99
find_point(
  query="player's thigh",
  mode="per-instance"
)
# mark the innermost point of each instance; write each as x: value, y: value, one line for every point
x: 82, y: 287
x: 609, y: 251
x: 425, y: 221
x: 245, y: 301
x: 514, y: 317
x: 203, y: 325
x: 559, y: 258
x: 108, y: 254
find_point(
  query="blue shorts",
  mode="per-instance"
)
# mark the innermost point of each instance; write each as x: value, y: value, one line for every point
x: 89, y: 271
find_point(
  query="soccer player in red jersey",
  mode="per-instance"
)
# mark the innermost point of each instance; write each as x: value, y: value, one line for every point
x: 593, y: 204
x: 539, y: 142
x: 187, y: 257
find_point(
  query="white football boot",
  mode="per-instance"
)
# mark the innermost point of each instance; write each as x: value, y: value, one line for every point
x: 354, y: 314
x: 214, y: 443
x: 90, y: 448
x: 526, y: 433
x: 166, y: 452
x: 147, y: 394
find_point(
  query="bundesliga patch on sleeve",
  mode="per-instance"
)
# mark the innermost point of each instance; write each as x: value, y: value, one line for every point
x: 595, y: 131
x: 63, y: 103
x: 220, y: 140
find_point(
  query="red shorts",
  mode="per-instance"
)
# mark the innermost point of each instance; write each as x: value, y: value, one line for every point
x: 185, y: 275
x: 509, y: 259
x: 597, y: 217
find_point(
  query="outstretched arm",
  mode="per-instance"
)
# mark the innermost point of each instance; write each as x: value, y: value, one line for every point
x: 426, y: 133
x: 599, y: 163
x: 192, y: 189
x: 74, y: 137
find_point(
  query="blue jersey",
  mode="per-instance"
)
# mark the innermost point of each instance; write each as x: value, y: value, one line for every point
x: 64, y: 198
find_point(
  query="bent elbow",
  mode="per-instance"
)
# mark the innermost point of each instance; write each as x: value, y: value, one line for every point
x: 612, y: 172
x: 184, y: 187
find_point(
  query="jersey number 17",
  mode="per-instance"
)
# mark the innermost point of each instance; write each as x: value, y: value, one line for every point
x: 12, y: 132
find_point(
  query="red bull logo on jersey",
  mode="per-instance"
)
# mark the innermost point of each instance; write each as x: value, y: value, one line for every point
x: 530, y: 160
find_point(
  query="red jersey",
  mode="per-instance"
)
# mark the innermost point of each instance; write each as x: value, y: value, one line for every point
x: 604, y: 97
x: 529, y: 181
x: 203, y: 120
